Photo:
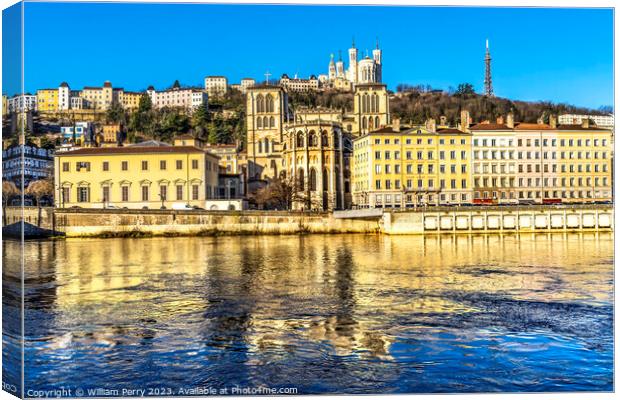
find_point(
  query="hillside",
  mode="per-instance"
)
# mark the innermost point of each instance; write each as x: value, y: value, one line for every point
x: 416, y: 105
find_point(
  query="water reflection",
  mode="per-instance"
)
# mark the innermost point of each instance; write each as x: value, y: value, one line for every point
x: 356, y: 314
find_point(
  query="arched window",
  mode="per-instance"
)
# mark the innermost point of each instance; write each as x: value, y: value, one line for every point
x: 365, y: 103
x: 259, y: 122
x: 265, y: 122
x: 326, y: 180
x: 336, y: 140
x: 300, y: 179
x: 266, y: 145
x: 337, y: 175
x: 273, y: 146
x: 260, y: 146
x: 272, y: 122
x: 372, y: 103
x: 300, y: 139
x: 324, y: 139
x: 312, y: 181
x: 377, y: 122
x: 311, y: 139
x: 260, y: 103
x: 269, y: 103
x: 377, y: 103
x: 370, y: 123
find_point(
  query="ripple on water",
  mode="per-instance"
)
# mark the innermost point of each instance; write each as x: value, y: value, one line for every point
x: 335, y: 314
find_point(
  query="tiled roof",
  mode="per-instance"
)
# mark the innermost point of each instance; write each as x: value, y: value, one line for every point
x: 132, y: 150
x: 449, y: 130
x: 579, y: 127
x: 531, y: 126
x: 489, y: 127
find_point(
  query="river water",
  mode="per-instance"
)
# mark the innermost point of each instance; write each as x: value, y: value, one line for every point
x: 319, y: 314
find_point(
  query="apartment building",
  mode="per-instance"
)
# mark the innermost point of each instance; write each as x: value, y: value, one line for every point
x: 136, y: 177
x: 413, y: 167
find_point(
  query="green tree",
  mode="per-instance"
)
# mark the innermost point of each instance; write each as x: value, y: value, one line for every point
x: 116, y: 114
x: 464, y: 89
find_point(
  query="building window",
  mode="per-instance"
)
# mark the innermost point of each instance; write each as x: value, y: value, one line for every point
x: 106, y: 166
x: 65, y: 167
x: 162, y: 164
x: 145, y: 193
x: 179, y: 164
x: 194, y: 164
x: 179, y: 192
x: 66, y: 195
x: 163, y: 192
x: 82, y: 165
x: 195, y: 189
x: 125, y: 193
x: 106, y: 194
x: 145, y: 165
x: 124, y: 165
x: 83, y: 194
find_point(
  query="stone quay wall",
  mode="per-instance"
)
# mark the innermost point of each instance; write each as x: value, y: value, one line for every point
x: 434, y: 220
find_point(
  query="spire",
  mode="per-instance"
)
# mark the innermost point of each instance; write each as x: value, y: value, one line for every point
x: 377, y: 42
x: 488, y: 82
x: 353, y: 43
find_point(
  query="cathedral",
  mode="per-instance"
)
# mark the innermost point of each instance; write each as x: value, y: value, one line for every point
x: 311, y: 147
x: 366, y: 70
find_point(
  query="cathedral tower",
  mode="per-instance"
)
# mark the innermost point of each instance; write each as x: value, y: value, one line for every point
x: 353, y: 63
x: 376, y: 55
x: 267, y: 112
x: 340, y: 66
x: 332, y: 68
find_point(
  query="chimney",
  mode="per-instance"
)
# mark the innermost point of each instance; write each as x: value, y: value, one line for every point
x: 431, y: 125
x: 553, y: 121
x: 510, y: 120
x: 396, y: 125
x: 465, y: 120
x: 585, y: 123
x: 500, y: 120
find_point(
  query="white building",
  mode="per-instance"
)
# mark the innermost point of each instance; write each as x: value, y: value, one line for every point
x: 603, y: 121
x: 216, y: 85
x: 188, y: 99
x: 299, y: 85
x: 64, y: 96
x: 22, y: 103
x: 247, y: 83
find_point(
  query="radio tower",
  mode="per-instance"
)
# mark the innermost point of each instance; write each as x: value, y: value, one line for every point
x: 488, y: 83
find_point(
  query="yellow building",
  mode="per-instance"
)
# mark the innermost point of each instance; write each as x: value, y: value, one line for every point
x: 5, y: 104
x: 137, y: 177
x: 100, y: 98
x: 47, y: 100
x: 130, y: 100
x: 111, y: 135
x: 412, y: 167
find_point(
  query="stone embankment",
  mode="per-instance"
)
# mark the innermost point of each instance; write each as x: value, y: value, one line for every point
x: 433, y: 220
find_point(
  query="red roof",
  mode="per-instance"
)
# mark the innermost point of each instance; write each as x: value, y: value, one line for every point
x: 132, y: 150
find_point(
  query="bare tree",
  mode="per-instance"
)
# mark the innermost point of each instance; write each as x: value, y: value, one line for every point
x: 40, y: 189
x: 283, y: 194
x: 9, y: 190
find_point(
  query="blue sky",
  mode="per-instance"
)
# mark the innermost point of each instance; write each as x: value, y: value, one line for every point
x: 562, y: 55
